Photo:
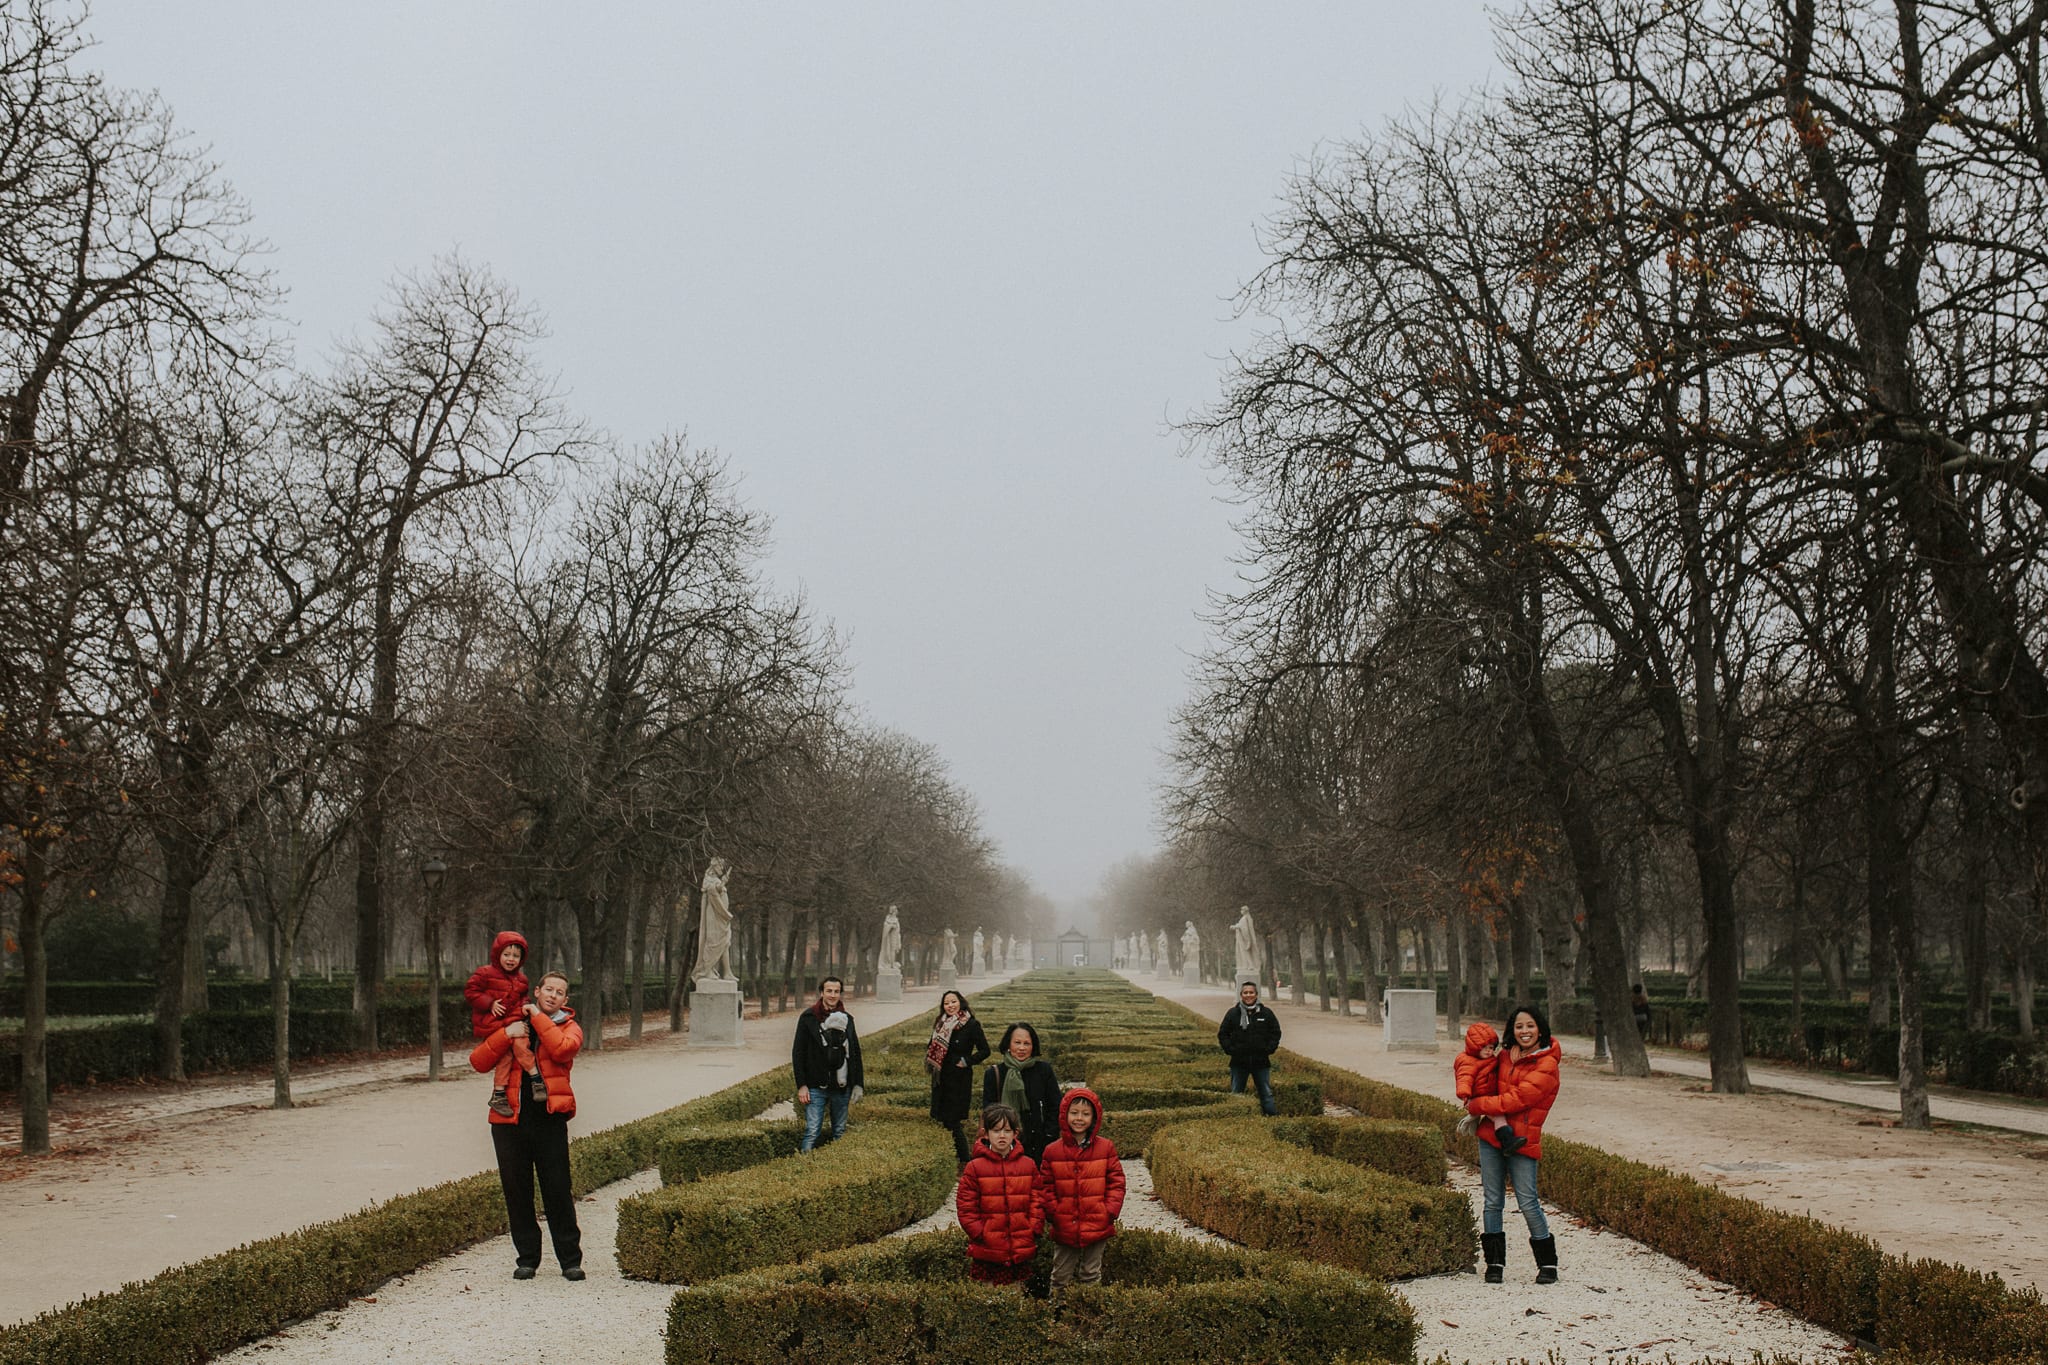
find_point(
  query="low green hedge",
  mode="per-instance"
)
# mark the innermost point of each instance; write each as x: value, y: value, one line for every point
x: 878, y: 1177
x: 1164, y: 1300
x: 1133, y: 1129
x: 1300, y: 1093
x: 695, y: 1153
x: 1413, y: 1151
x: 1244, y: 1179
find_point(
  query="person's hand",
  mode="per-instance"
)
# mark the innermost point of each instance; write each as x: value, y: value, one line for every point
x: 516, y: 1029
x: 529, y: 1007
x: 497, y: 1009
x: 803, y: 1094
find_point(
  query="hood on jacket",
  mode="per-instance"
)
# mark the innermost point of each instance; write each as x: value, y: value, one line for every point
x: 510, y: 936
x: 1081, y: 1092
x: 1480, y: 1037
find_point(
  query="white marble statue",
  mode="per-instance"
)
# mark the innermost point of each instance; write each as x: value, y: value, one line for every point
x: 714, y: 926
x: 980, y: 958
x: 949, y: 955
x: 1247, y: 944
x: 889, y: 956
x: 1190, y: 941
x: 1165, y: 949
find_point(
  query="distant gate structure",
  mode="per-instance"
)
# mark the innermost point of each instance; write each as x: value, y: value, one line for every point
x: 1072, y: 949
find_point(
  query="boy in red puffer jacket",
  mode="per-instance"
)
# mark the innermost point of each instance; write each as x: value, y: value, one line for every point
x: 496, y: 994
x: 1080, y: 1189
x: 1475, y: 1072
x: 998, y: 1201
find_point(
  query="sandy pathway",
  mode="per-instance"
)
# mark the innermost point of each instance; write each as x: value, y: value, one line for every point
x: 1615, y: 1296
x: 204, y: 1182
x: 1973, y: 1197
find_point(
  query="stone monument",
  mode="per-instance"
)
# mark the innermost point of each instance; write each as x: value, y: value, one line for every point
x: 1246, y: 941
x: 1408, y: 1023
x: 889, y: 959
x: 979, y: 962
x: 1190, y: 956
x: 1020, y: 956
x: 949, y: 963
x: 1162, y: 964
x: 716, y: 1006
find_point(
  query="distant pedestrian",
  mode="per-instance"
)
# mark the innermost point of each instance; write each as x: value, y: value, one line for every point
x: 1023, y: 1079
x: 1081, y: 1188
x: 1250, y: 1034
x: 1525, y: 1088
x: 997, y: 1201
x: 957, y: 1046
x: 533, y: 1140
x: 1639, y: 1005
x: 496, y: 993
x: 826, y: 1060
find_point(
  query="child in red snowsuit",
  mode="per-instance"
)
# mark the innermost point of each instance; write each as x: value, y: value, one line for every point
x: 998, y: 1201
x: 495, y: 993
x: 1475, y: 1072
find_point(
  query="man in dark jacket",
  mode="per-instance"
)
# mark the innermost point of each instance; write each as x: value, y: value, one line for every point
x: 1251, y: 1035
x: 826, y: 1061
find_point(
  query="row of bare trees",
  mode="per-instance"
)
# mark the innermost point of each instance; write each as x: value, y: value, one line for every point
x: 1653, y: 448
x: 276, y: 635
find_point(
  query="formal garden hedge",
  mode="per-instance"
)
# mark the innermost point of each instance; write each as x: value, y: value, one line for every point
x: 878, y: 1177
x: 1257, y: 1183
x: 1164, y: 1299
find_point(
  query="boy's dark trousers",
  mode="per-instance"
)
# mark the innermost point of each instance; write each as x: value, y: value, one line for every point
x: 538, y: 1144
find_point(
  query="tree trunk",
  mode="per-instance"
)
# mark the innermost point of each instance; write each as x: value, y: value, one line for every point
x: 1521, y: 947
x: 2023, y: 993
x: 279, y: 943
x: 1798, y: 1025
x: 432, y: 927
x: 1881, y: 965
x: 1890, y: 878
x: 1974, y: 881
x: 174, y: 925
x: 1454, y: 976
x: 1724, y: 958
x: 35, y: 1007
x: 377, y: 762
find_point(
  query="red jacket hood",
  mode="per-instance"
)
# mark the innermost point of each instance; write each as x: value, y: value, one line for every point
x: 1081, y: 1092
x: 510, y: 936
x: 1479, y: 1037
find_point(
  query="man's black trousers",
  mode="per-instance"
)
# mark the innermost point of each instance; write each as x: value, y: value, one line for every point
x: 538, y: 1146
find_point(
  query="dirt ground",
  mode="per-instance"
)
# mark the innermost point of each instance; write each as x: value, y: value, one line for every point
x: 1974, y: 1196
x: 162, y: 1182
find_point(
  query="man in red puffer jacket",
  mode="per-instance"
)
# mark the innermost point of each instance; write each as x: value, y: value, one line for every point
x: 1080, y: 1189
x: 998, y: 1201
x: 533, y: 1140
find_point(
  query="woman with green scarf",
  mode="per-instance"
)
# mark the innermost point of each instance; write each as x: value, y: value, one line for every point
x: 1022, y: 1079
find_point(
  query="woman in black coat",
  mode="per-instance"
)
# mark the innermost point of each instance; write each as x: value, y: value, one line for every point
x: 1021, y: 1078
x: 957, y: 1046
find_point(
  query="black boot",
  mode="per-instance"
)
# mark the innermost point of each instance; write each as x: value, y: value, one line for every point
x: 1493, y: 1246
x: 1546, y: 1259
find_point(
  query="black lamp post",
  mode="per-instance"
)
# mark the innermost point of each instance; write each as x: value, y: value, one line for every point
x: 432, y: 873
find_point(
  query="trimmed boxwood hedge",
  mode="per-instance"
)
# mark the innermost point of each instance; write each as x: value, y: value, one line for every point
x: 1293, y: 1094
x: 697, y: 1152
x: 878, y: 1177
x: 1244, y: 1178
x: 1163, y: 1299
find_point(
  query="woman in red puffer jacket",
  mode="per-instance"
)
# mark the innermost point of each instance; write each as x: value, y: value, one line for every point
x: 1525, y: 1088
x: 998, y: 1201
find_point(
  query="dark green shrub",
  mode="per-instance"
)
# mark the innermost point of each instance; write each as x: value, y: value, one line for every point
x: 877, y: 1178
x: 1242, y: 1179
x: 1163, y: 1300
x: 1295, y: 1091
x: 693, y: 1153
x: 1413, y: 1151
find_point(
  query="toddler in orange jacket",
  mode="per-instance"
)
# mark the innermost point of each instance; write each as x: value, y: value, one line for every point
x: 496, y: 993
x: 1476, y: 1072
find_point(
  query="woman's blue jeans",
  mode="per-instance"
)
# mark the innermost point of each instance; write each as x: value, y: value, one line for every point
x: 1496, y: 1168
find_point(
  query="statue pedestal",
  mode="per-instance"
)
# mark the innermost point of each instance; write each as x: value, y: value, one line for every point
x: 1190, y: 974
x: 888, y: 985
x: 1164, y: 971
x: 715, y: 1007
x: 1409, y: 1023
x: 980, y: 967
x: 949, y: 978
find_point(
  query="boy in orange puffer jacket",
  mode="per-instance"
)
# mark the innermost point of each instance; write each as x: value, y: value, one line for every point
x: 1081, y: 1189
x: 1475, y: 1072
x: 496, y: 993
x: 997, y: 1201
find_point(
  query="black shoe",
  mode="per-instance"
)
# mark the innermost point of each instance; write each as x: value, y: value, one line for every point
x: 572, y: 1272
x: 523, y: 1272
x: 1510, y: 1144
x: 1493, y: 1248
x: 1546, y: 1259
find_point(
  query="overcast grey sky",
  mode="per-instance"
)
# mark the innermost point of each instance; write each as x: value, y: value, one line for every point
x: 937, y: 278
